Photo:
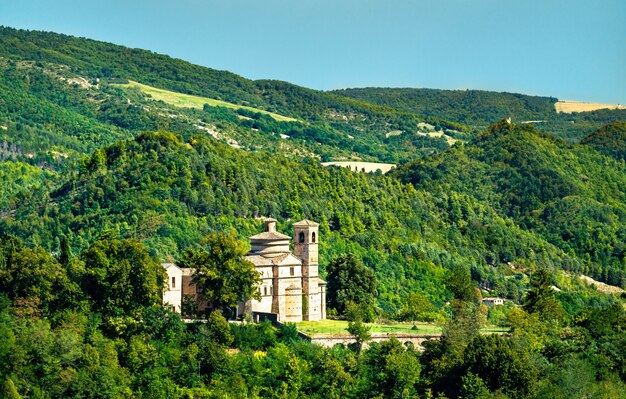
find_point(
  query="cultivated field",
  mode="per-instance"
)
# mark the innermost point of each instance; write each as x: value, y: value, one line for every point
x: 360, y: 166
x: 188, y: 101
x: 575, y: 106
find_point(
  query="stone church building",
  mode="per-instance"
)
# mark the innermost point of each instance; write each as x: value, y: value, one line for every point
x: 290, y: 287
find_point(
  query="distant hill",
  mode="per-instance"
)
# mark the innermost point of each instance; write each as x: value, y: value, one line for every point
x: 479, y: 109
x: 568, y: 194
x: 609, y: 140
x: 67, y: 91
x: 470, y: 107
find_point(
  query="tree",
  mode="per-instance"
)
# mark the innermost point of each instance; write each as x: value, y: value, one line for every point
x: 460, y: 283
x: 502, y: 364
x: 9, y: 391
x: 350, y: 281
x: 391, y: 370
x: 360, y: 331
x: 221, y: 273
x: 541, y: 298
x: 66, y: 251
x: 417, y: 307
x: 120, y: 276
x: 33, y: 279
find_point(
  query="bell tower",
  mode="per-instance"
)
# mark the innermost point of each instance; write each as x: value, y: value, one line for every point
x: 306, y: 239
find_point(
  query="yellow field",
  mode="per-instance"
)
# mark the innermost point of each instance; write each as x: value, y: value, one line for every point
x: 188, y: 101
x: 575, y: 106
x: 359, y: 166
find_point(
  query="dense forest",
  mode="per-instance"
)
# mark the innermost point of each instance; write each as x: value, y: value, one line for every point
x: 479, y: 109
x: 102, y: 182
x: 568, y: 194
x: 609, y: 140
x: 169, y: 193
x: 92, y: 326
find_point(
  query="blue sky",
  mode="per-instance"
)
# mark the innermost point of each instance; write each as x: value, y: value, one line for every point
x: 573, y: 50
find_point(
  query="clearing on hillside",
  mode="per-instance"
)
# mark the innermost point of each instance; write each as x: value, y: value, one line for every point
x: 568, y: 107
x: 188, y: 101
x: 602, y: 287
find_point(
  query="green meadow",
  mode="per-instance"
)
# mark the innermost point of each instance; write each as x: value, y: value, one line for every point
x: 188, y: 101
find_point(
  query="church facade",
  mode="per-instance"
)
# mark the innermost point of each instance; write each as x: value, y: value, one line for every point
x: 290, y: 288
x: 290, y: 285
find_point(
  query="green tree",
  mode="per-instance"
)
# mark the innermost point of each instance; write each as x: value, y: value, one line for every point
x: 460, y: 283
x: 120, y: 276
x: 417, y: 307
x: 33, y: 279
x: 360, y: 331
x: 221, y: 273
x: 501, y: 364
x: 390, y: 370
x: 541, y: 297
x: 66, y: 251
x: 350, y: 281
x: 9, y: 391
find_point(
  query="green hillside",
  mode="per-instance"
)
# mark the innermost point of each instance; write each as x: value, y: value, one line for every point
x: 169, y: 193
x: 479, y: 109
x: 609, y: 140
x: 66, y: 89
x: 568, y: 194
x: 113, y: 160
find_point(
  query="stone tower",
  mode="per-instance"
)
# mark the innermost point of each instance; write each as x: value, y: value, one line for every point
x: 306, y: 237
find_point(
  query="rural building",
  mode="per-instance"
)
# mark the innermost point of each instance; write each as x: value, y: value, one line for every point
x: 174, y: 293
x: 490, y: 301
x: 290, y: 287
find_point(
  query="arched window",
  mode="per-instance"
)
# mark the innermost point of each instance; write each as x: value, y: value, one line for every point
x: 313, y: 237
x: 301, y: 237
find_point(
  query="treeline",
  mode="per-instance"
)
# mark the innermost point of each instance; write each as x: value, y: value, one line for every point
x: 479, y: 109
x: 469, y: 107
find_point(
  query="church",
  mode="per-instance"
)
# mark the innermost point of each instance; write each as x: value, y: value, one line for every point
x: 290, y: 287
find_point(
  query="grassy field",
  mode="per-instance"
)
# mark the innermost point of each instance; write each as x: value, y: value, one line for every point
x: 339, y: 327
x: 189, y: 101
x: 575, y: 106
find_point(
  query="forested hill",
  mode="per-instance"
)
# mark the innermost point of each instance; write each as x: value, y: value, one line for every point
x: 479, y: 108
x: 571, y: 195
x: 169, y: 193
x: 471, y: 107
x: 75, y: 93
x: 609, y: 140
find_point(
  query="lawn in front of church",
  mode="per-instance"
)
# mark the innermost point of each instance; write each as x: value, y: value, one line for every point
x: 339, y: 327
